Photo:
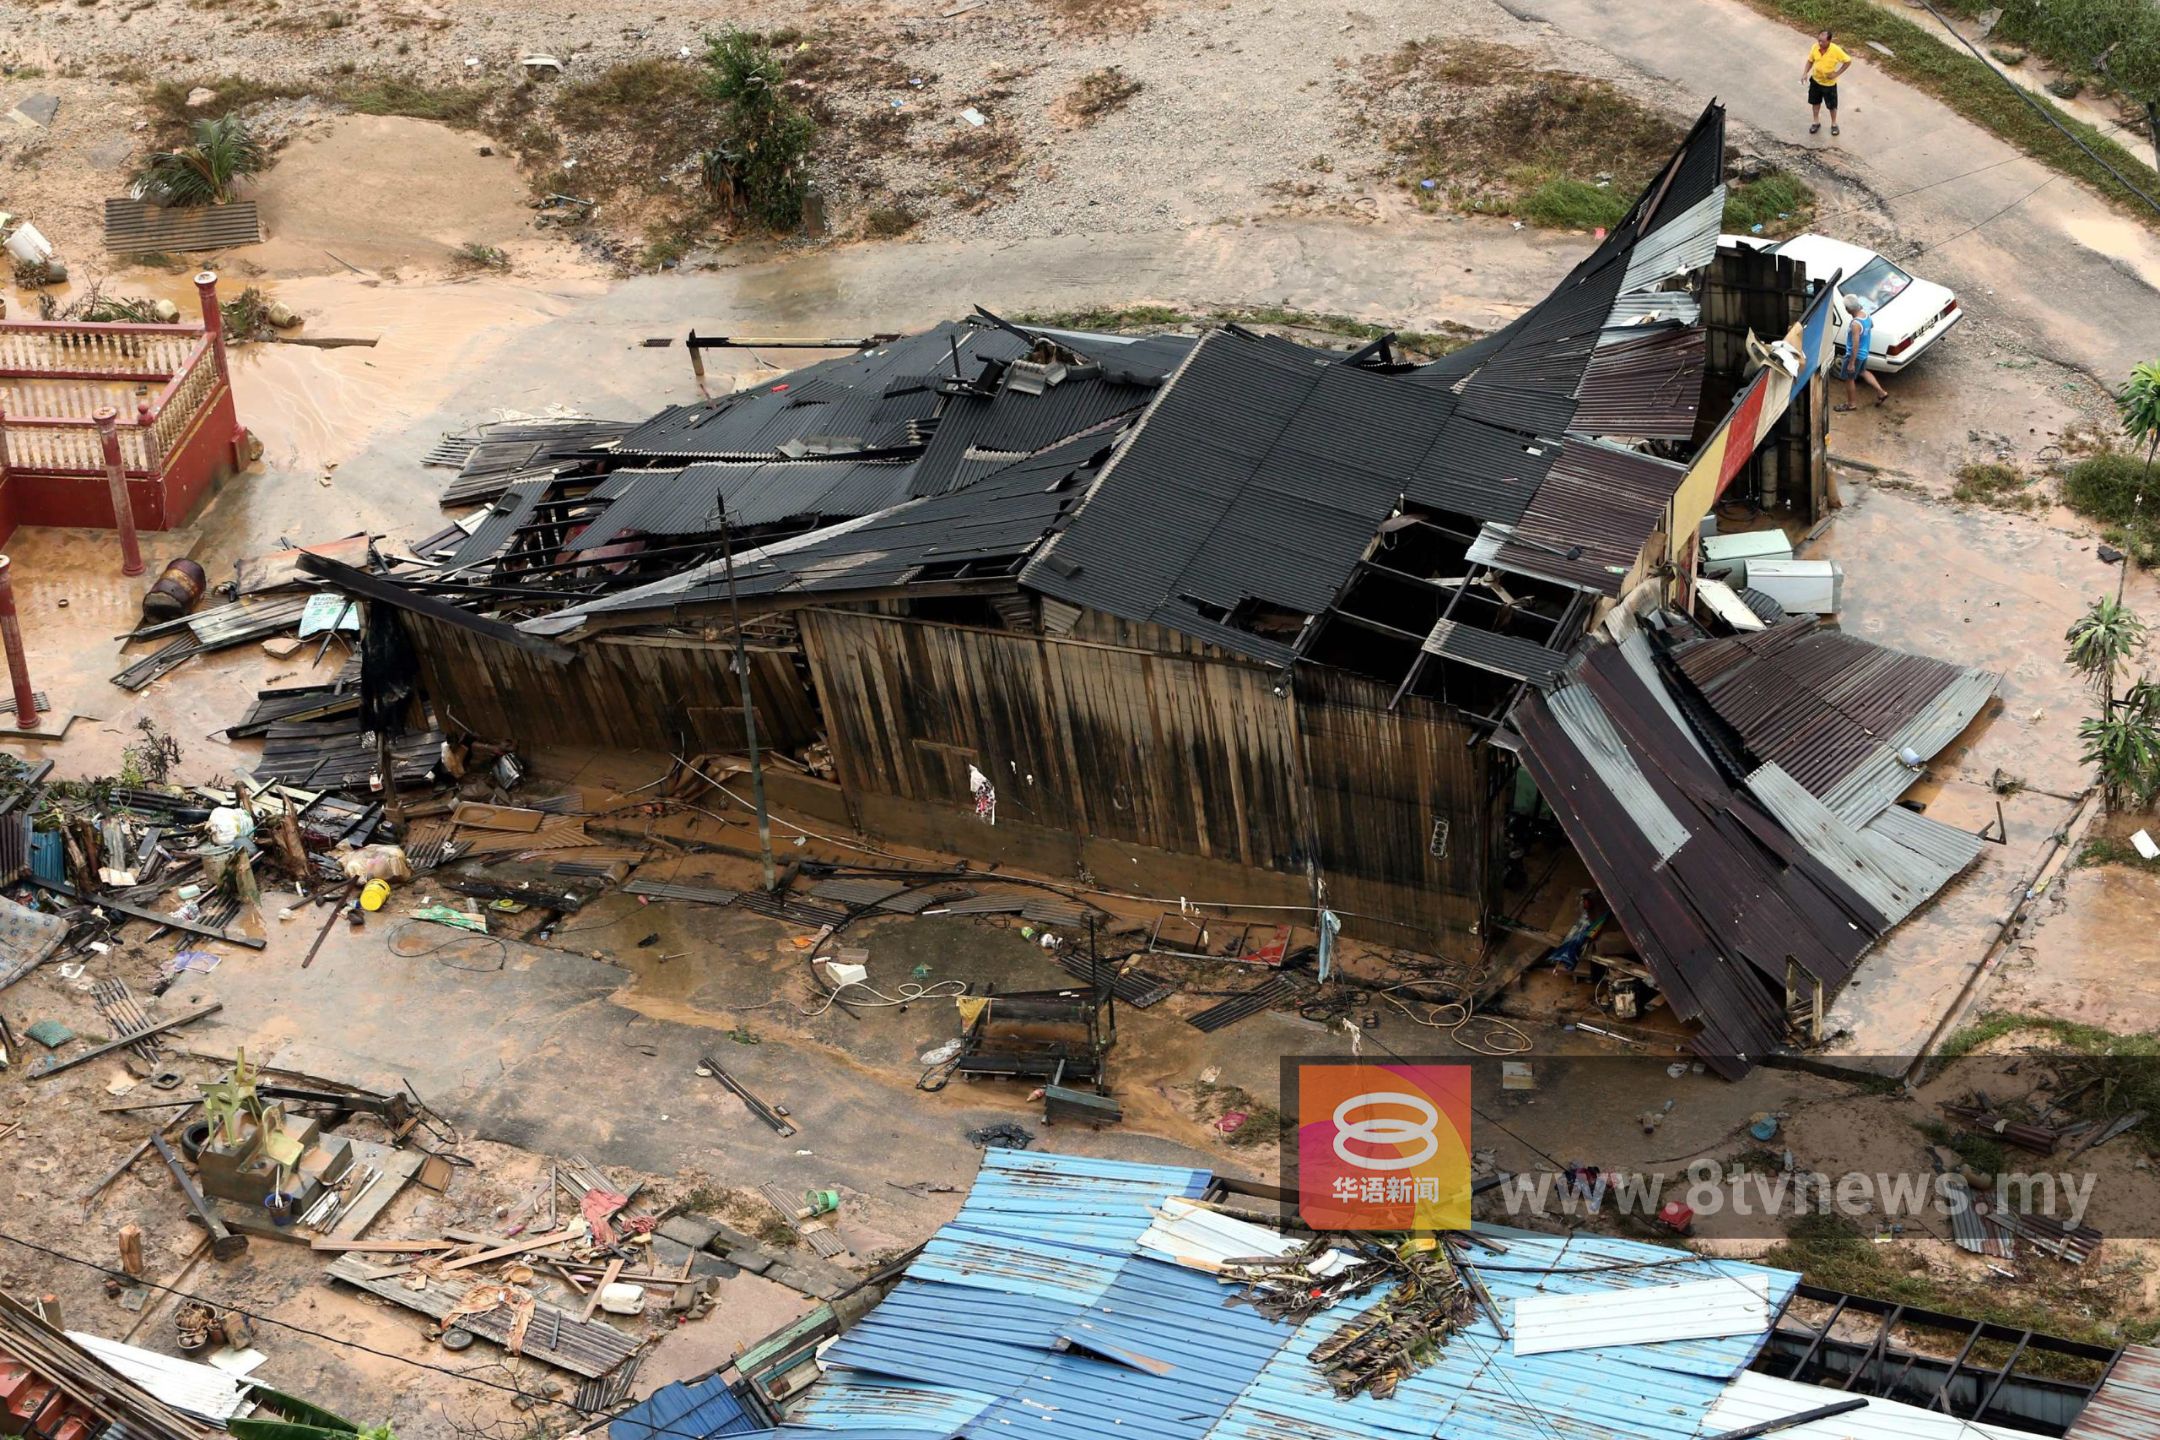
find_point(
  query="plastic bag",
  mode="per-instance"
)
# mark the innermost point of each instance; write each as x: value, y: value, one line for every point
x: 376, y: 862
x: 228, y: 826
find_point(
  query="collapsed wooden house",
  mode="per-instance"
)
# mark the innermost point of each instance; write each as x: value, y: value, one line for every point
x: 1215, y: 615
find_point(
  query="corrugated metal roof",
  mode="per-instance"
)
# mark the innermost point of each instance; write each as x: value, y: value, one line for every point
x: 1719, y: 919
x: 1833, y: 710
x: 494, y: 532
x: 2127, y: 1405
x: 1689, y: 1310
x: 700, y: 1411
x: 1647, y: 384
x: 1260, y: 473
x: 1157, y: 1354
x: 136, y: 227
x: 1604, y: 499
x: 688, y: 501
x: 1894, y: 880
x: 1508, y: 655
x: 862, y: 401
x: 201, y: 1390
x: 1591, y: 731
x: 1754, y: 1399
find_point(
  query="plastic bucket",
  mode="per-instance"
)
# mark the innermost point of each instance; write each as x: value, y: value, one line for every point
x: 373, y: 894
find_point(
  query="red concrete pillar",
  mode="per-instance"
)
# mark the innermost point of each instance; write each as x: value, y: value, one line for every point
x: 108, y: 424
x: 146, y: 426
x: 214, y: 326
x: 26, y: 711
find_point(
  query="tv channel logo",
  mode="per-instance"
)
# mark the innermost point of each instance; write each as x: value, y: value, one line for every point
x: 1383, y: 1146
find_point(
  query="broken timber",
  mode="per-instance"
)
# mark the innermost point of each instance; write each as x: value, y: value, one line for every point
x: 554, y: 1335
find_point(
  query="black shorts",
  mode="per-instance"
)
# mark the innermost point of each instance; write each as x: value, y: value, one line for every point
x: 1821, y: 94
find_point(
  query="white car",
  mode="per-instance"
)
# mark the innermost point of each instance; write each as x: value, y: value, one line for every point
x: 1910, y: 313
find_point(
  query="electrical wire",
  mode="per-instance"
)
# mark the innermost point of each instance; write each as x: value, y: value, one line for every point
x: 457, y: 937
x: 2044, y: 112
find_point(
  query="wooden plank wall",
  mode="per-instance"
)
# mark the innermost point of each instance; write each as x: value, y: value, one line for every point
x: 1179, y: 753
x: 1169, y: 751
x: 675, y: 695
x: 1400, y: 811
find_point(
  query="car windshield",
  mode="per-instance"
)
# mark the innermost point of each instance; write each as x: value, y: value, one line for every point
x: 1876, y: 285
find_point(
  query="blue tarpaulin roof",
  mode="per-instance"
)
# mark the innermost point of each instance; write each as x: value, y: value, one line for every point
x: 1036, y: 1311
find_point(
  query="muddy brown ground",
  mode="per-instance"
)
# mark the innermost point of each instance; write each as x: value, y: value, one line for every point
x: 551, y: 1050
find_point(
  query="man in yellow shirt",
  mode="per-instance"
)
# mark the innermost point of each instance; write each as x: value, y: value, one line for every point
x: 1825, y: 62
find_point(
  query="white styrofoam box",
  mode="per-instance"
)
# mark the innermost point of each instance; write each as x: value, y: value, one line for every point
x: 1803, y: 587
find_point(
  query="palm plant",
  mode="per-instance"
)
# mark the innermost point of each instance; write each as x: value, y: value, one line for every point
x: 2102, y: 642
x: 2125, y: 744
x: 220, y: 154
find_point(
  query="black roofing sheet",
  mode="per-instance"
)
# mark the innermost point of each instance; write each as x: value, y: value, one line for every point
x: 689, y: 501
x: 1261, y: 471
x: 494, y: 533
x: 1010, y: 423
x: 1506, y: 655
x: 867, y: 398
x: 1002, y: 516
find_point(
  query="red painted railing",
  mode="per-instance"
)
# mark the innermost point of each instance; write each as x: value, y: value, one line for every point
x: 169, y: 385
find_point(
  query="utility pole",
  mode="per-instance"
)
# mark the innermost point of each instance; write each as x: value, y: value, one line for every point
x: 749, y: 706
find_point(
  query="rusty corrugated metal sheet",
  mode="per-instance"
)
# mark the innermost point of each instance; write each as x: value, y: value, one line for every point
x: 1717, y: 919
x: 1604, y: 499
x: 14, y: 847
x: 135, y: 227
x: 2127, y: 1404
x: 1823, y: 705
x: 1648, y: 386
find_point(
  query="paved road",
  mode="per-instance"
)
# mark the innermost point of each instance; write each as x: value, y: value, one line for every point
x: 2084, y: 277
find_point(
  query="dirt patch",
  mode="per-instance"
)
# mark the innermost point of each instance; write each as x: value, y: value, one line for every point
x: 1098, y: 93
x: 326, y: 202
x: 1494, y: 133
x: 1097, y: 18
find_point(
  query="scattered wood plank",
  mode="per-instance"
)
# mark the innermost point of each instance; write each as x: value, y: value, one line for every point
x: 607, y: 1278
x: 515, y: 1247
x: 498, y: 817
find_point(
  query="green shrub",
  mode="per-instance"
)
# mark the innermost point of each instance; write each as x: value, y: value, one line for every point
x: 760, y: 171
x: 219, y: 154
x: 2106, y: 487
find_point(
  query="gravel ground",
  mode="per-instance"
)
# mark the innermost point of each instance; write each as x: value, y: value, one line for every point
x: 1243, y: 107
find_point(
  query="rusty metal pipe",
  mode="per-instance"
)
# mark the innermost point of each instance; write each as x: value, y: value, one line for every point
x: 108, y: 424
x: 26, y: 711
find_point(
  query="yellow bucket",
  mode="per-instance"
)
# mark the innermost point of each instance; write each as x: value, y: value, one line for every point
x: 373, y: 894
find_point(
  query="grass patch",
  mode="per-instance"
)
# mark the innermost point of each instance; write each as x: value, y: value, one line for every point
x: 889, y: 221
x: 1099, y: 93
x: 1926, y: 59
x: 1497, y: 136
x: 2124, y: 1069
x: 1142, y: 319
x: 364, y: 94
x: 1781, y: 203
x: 475, y: 256
x: 460, y: 105
x: 2105, y: 487
x: 1997, y: 486
x: 2107, y: 850
x: 1263, y: 1123
x: 1978, y: 1151
x: 1830, y: 1251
